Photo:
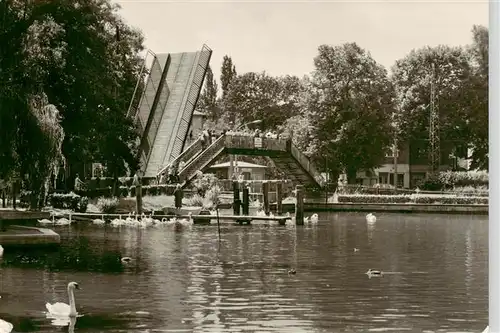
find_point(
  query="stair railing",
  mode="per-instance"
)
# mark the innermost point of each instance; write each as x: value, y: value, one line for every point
x: 194, y: 149
x: 305, y: 162
x: 203, y: 158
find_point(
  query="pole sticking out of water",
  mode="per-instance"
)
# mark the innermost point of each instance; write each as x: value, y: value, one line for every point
x: 218, y: 222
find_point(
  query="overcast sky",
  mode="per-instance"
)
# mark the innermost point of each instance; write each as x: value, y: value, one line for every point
x: 282, y: 37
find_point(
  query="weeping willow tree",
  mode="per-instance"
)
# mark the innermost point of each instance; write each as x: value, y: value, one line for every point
x: 46, y: 160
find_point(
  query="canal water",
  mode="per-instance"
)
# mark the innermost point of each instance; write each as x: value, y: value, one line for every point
x: 187, y: 281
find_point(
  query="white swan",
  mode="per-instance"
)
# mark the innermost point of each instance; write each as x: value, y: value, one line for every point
x: 63, y: 221
x: 314, y: 218
x: 5, y: 326
x: 370, y: 218
x: 99, y: 221
x: 62, y: 309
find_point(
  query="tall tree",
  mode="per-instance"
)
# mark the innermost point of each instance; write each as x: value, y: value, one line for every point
x: 228, y: 74
x: 207, y: 103
x: 350, y: 104
x: 79, y: 57
x: 451, y: 76
x: 478, y: 97
x: 255, y: 96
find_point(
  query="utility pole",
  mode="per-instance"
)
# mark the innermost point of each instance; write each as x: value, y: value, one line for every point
x: 434, y: 139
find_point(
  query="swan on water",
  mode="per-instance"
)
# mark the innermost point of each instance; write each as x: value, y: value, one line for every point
x: 373, y: 272
x: 99, y: 221
x: 63, y: 309
x: 370, y: 218
x: 314, y: 218
x: 126, y: 260
x: 5, y: 326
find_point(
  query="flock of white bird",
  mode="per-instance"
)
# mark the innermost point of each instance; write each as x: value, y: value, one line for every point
x: 130, y: 220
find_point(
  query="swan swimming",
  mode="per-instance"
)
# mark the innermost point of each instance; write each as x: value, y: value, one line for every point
x: 372, y: 272
x: 99, y: 221
x: 63, y: 309
x: 5, y: 326
x: 370, y: 218
x: 314, y: 218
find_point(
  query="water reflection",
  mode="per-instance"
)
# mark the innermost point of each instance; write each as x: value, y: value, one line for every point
x: 436, y: 277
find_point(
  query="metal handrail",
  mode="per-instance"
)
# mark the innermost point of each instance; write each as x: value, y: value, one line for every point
x: 190, y: 152
x: 218, y: 144
x: 305, y: 162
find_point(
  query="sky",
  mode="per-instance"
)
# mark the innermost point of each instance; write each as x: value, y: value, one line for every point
x: 282, y: 37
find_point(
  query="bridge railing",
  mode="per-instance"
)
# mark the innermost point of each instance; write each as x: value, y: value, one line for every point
x: 250, y: 142
x: 305, y: 162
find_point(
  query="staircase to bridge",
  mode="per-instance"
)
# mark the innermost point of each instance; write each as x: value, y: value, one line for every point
x: 287, y: 158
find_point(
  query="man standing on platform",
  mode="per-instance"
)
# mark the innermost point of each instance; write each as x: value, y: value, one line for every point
x: 178, y: 195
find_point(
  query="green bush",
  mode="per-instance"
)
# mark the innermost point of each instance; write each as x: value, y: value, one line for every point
x: 107, y: 205
x: 69, y: 201
x: 196, y: 201
x: 356, y: 198
x: 451, y: 179
x: 203, y: 182
x: 419, y: 199
x: 24, y: 198
x: 124, y: 191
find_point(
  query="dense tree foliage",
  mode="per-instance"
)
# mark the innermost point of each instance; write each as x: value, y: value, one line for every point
x: 260, y: 96
x: 207, y: 102
x: 350, y: 105
x: 478, y: 98
x: 227, y: 75
x: 413, y: 76
x: 80, y: 57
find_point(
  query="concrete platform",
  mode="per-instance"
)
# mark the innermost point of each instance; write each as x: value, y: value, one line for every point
x: 17, y: 235
x: 15, y: 214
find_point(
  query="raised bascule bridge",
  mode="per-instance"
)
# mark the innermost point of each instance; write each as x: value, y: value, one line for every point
x: 172, y: 86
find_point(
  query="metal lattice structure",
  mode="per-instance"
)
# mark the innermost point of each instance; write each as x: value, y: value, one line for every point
x: 434, y: 135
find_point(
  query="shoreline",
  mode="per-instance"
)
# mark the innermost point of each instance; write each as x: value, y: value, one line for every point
x: 388, y: 208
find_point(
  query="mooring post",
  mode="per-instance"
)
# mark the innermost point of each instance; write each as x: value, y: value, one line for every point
x: 299, y: 205
x: 279, y: 198
x: 265, y: 196
x: 138, y: 196
x: 236, y: 198
x: 246, y: 200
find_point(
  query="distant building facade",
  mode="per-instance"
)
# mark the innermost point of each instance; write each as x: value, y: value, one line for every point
x: 413, y: 166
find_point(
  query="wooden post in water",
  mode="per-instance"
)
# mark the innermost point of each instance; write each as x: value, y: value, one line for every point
x: 138, y: 196
x: 265, y: 196
x: 236, y: 198
x: 246, y: 201
x: 279, y: 198
x: 299, y: 205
